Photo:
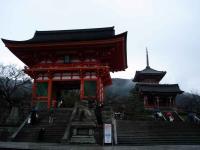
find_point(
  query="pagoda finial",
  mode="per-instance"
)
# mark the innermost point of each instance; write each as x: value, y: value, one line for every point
x: 147, y: 56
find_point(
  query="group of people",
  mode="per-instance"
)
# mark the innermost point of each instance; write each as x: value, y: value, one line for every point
x: 34, y: 117
x: 120, y: 116
x: 192, y: 117
x: 58, y: 102
x: 169, y: 116
x: 158, y: 115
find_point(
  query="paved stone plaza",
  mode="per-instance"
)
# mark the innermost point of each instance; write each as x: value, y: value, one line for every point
x: 52, y: 146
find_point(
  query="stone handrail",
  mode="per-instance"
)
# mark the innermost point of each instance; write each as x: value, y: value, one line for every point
x: 67, y: 130
x: 163, y: 116
x: 19, y: 129
x: 114, y: 130
x: 179, y: 116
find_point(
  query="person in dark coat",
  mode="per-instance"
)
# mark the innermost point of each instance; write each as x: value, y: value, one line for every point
x: 41, y: 134
x: 98, y: 114
x: 34, y: 116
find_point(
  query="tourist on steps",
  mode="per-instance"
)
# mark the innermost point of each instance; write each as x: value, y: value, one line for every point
x: 98, y: 111
x: 192, y: 117
x: 34, y: 117
x: 169, y: 116
x: 51, y: 112
x: 41, y: 134
x: 157, y: 114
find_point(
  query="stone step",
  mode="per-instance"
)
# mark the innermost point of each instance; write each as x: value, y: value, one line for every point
x: 151, y: 132
x: 53, y: 132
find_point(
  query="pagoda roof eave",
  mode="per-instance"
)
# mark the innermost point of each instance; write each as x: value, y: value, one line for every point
x: 159, y: 88
x: 137, y: 76
x: 148, y: 72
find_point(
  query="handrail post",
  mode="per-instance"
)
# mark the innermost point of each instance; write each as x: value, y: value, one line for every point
x: 115, y: 130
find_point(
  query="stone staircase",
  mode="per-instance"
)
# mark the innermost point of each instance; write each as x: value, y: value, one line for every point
x: 53, y: 132
x: 156, y: 133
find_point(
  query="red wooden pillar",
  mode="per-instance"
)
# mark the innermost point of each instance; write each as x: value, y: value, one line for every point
x: 145, y: 101
x: 102, y: 93
x: 157, y: 101
x: 33, y: 92
x: 98, y: 92
x: 82, y: 88
x: 170, y: 101
x: 49, y: 92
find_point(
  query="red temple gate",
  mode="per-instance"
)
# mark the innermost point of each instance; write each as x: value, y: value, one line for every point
x: 80, y: 59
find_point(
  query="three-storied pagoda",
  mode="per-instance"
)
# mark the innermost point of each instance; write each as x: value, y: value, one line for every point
x: 71, y: 59
x: 155, y: 95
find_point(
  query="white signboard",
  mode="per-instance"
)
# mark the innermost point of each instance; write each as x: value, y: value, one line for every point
x: 107, y: 133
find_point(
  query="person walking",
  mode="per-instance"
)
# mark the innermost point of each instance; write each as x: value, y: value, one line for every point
x: 51, y: 112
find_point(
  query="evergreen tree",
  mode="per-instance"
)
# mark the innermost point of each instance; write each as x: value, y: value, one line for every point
x: 135, y: 104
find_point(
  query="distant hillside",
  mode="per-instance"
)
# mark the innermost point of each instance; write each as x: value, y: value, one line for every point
x: 118, y: 92
x: 119, y: 88
x: 189, y: 101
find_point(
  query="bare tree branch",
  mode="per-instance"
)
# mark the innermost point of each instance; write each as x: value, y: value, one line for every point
x: 11, y: 79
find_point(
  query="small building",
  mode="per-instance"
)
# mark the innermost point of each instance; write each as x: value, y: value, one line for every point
x: 154, y: 94
x: 71, y: 59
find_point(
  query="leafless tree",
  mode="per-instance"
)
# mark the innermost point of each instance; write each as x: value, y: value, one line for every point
x: 11, y: 80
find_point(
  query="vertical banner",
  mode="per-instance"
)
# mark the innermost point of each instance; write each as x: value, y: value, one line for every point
x: 107, y: 133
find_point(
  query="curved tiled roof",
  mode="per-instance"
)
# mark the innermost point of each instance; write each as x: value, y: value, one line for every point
x: 95, y: 41
x: 148, y: 72
x: 68, y: 35
x: 158, y: 88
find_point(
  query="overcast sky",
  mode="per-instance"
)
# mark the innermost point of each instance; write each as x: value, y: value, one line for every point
x: 169, y: 28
